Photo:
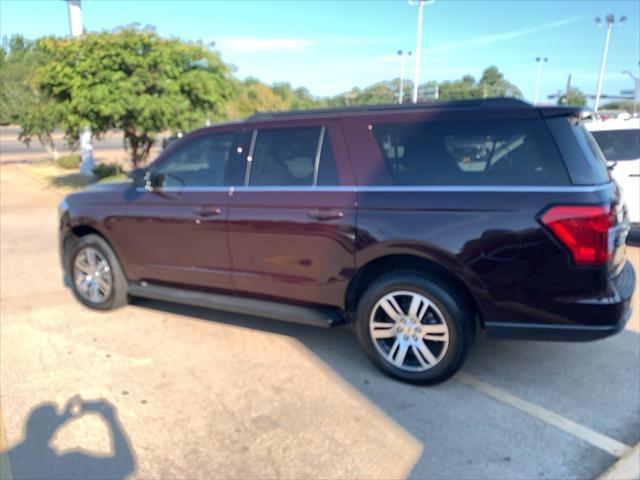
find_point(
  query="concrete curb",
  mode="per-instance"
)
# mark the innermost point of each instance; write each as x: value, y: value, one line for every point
x: 626, y: 468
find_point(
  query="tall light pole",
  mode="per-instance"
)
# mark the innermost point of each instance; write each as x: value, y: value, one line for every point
x: 418, y: 57
x: 539, y: 62
x: 401, y: 83
x: 636, y: 89
x: 75, y: 17
x: 610, y: 19
x: 76, y: 28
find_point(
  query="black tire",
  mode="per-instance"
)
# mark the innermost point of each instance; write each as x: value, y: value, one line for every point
x: 119, y: 290
x: 455, y: 313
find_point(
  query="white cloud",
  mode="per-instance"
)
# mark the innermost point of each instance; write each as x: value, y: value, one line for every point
x: 500, y: 37
x: 255, y: 44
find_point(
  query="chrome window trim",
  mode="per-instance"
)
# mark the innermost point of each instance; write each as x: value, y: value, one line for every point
x: 391, y: 189
x: 488, y: 188
x: 247, y: 171
x: 316, y: 163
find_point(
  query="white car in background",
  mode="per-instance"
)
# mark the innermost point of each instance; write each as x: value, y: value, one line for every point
x: 619, y: 140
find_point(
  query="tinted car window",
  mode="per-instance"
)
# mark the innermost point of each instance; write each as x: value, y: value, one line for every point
x: 201, y: 161
x: 514, y: 152
x: 619, y: 145
x: 284, y: 157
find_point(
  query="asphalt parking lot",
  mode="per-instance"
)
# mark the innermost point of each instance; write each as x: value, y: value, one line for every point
x: 204, y: 394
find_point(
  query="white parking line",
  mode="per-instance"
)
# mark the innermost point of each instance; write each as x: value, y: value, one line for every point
x: 603, y: 442
x: 628, y: 467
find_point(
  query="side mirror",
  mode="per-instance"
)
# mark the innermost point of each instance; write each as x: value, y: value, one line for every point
x: 139, y: 177
x: 155, y: 180
x: 611, y: 164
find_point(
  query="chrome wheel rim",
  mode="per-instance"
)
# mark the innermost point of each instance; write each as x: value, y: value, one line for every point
x: 92, y: 275
x: 409, y: 331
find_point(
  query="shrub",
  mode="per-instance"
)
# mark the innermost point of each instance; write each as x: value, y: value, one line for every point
x: 69, y: 162
x: 104, y: 170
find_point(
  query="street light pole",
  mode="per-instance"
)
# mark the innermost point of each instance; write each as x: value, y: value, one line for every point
x: 610, y: 21
x: 636, y: 89
x: 76, y: 28
x: 401, y: 83
x: 418, y: 57
x: 75, y: 17
x: 539, y: 62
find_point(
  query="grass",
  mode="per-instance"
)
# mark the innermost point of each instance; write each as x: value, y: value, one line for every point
x: 61, y: 179
x: 121, y: 177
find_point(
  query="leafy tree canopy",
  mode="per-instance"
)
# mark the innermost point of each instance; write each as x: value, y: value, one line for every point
x: 18, y: 59
x: 132, y: 80
x: 491, y: 84
x: 574, y: 97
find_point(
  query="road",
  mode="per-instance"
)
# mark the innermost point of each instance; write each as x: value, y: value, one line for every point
x: 204, y: 394
x: 9, y: 143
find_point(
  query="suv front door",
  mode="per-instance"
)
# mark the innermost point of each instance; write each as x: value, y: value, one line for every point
x: 291, y: 224
x: 178, y: 223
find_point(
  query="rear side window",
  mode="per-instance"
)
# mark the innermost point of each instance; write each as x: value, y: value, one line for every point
x: 514, y: 152
x: 619, y: 145
x: 292, y: 157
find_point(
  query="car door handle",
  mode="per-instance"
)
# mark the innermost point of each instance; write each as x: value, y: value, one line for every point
x: 325, y: 215
x: 207, y: 211
x: 634, y: 174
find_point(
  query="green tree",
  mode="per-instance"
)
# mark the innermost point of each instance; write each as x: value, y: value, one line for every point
x: 493, y: 84
x: 132, y: 80
x: 574, y: 97
x: 19, y: 57
x: 464, y: 89
x: 619, y: 105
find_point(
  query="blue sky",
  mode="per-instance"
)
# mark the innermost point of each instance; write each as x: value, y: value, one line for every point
x: 330, y: 46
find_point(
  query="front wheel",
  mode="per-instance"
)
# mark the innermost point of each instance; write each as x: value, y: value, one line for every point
x: 414, y: 327
x: 97, y: 279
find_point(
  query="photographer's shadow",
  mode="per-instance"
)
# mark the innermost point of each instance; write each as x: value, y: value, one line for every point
x: 35, y: 458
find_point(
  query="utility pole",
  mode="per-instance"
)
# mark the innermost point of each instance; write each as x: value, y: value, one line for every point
x: 610, y: 19
x: 636, y: 90
x: 76, y: 29
x: 418, y: 57
x: 539, y: 62
x: 401, y: 83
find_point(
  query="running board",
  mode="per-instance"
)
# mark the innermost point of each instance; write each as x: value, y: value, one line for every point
x: 317, y: 317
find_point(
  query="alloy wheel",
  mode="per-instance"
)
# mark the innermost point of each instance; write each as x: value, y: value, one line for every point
x: 409, y: 331
x: 92, y: 275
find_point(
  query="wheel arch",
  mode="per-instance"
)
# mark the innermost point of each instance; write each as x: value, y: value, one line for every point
x: 374, y: 268
x: 75, y: 233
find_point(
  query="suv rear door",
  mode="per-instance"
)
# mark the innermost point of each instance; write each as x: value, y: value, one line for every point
x: 291, y: 223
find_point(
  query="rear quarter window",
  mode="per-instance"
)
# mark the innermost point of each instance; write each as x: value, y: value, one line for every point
x: 619, y: 145
x: 514, y: 152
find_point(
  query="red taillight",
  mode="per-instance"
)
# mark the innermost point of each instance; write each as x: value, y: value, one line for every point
x: 584, y: 230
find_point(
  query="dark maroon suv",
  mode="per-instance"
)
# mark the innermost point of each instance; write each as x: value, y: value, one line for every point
x: 419, y: 224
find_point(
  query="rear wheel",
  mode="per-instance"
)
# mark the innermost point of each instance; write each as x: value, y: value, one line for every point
x: 414, y: 327
x: 97, y: 279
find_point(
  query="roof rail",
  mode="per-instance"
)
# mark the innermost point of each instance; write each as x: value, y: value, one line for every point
x: 476, y: 103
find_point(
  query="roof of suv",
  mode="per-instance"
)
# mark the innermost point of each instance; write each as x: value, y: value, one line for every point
x: 489, y: 103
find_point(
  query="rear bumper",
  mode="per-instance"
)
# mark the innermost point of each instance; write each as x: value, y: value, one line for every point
x: 612, y: 312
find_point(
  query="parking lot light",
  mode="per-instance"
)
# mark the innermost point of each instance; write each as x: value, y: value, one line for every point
x: 539, y: 62
x: 636, y: 90
x: 418, y: 57
x: 402, y: 56
x: 610, y: 20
